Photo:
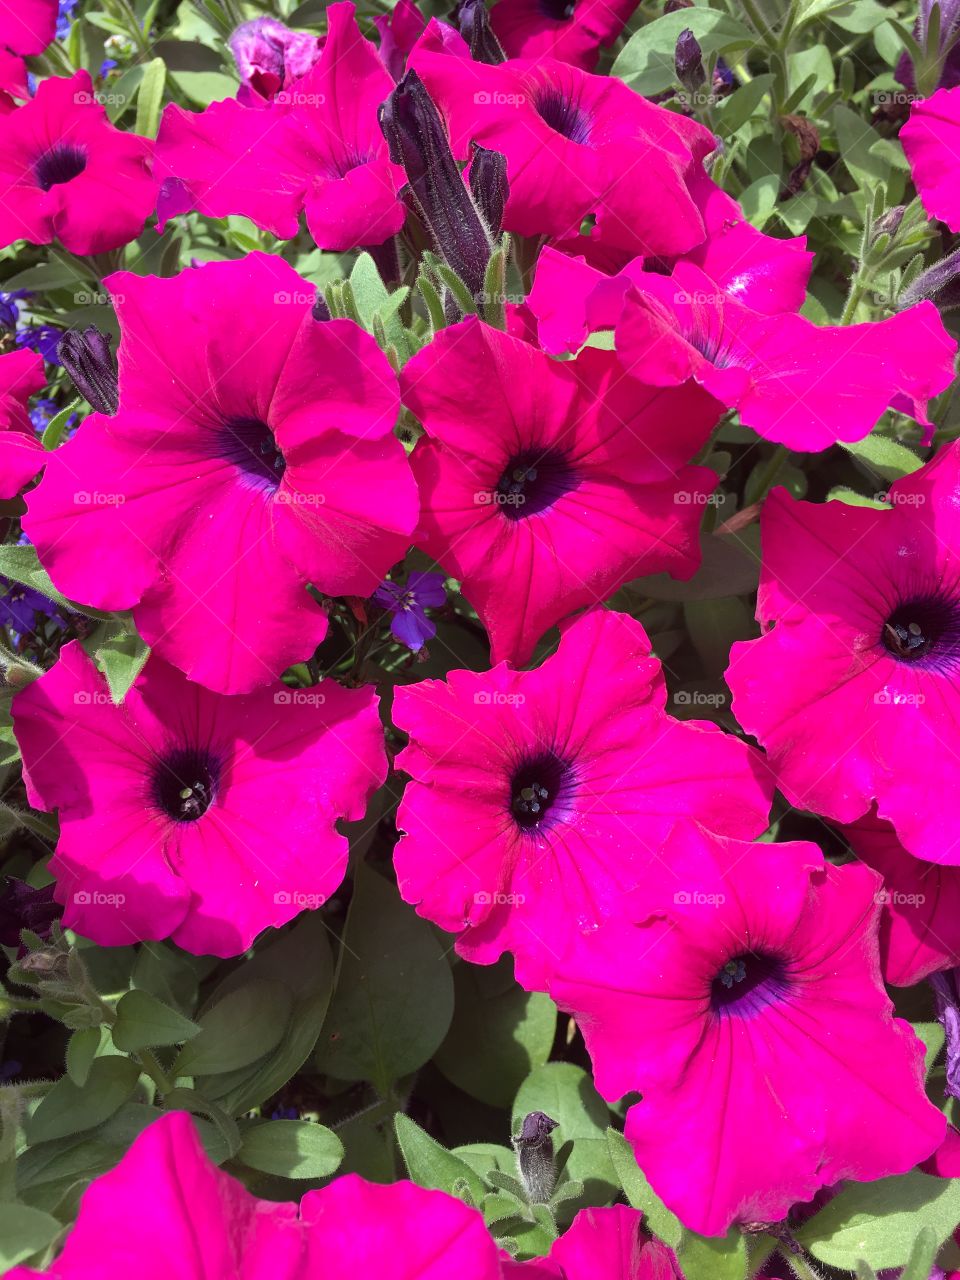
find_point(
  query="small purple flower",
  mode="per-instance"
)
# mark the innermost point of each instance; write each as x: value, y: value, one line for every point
x: 106, y: 66
x: 9, y: 313
x: 409, y: 624
x: 19, y: 606
x: 42, y: 338
x: 65, y: 17
x: 285, y: 1113
x: 948, y: 70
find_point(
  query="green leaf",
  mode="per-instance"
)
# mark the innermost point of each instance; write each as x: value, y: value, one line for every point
x: 723, y: 1258
x: 24, y: 1232
x: 840, y: 493
x: 301, y: 961
x: 646, y: 62
x: 665, y: 1225
x: 878, y: 1222
x: 70, y: 1108
x: 150, y: 98
x: 143, y: 1022
x: 566, y: 1093
x: 291, y: 1149
x: 882, y: 457
x: 204, y: 87
x: 432, y: 1165
x: 856, y: 140
x: 82, y: 1049
x: 499, y: 1033
x: 241, y: 1028
x: 119, y: 653
x: 742, y: 103
x: 53, y: 431
x: 394, y: 997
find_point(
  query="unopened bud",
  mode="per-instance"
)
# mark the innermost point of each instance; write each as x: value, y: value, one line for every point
x: 86, y: 356
x: 688, y: 58
x: 534, y: 1147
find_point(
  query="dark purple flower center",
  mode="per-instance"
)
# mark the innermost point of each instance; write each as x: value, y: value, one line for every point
x: 62, y: 163
x: 184, y: 783
x: 252, y: 447
x: 749, y: 983
x: 557, y: 10
x: 925, y: 631
x: 562, y: 115
x: 541, y: 788
x: 533, y: 481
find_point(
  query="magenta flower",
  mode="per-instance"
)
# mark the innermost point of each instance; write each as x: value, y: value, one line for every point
x: 538, y: 798
x: 167, y: 1210
x: 166, y: 829
x: 601, y: 1244
x: 572, y: 298
x: 271, y: 57
x: 67, y: 174
x: 13, y: 81
x: 920, y: 926
x: 930, y: 139
x: 791, y: 381
x: 852, y: 687
x: 399, y: 31
x: 302, y: 151
x: 571, y: 31
x: 554, y: 483
x: 252, y: 453
x: 28, y: 26
x: 571, y: 141
x: 740, y: 993
x: 21, y: 453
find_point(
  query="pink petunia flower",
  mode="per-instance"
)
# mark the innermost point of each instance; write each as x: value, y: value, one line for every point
x: 930, y: 140
x: 167, y: 1210
x: 576, y: 145
x: 852, y: 687
x: 538, y: 798
x: 13, y: 81
x: 166, y: 825
x: 252, y: 453
x: 794, y: 382
x: 21, y: 453
x: 601, y: 1244
x: 270, y: 57
x: 571, y: 31
x: 740, y: 994
x: 556, y: 484
x: 67, y: 174
x: 920, y: 927
x: 399, y: 31
x: 28, y: 26
x: 316, y: 147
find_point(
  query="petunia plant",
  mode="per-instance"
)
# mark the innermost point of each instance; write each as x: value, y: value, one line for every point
x: 479, y: 640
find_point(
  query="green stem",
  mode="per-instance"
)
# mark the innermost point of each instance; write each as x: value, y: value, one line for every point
x: 152, y: 1068
x: 768, y: 476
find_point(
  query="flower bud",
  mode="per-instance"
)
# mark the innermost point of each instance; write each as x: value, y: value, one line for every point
x: 534, y: 1148
x: 417, y: 139
x: 488, y: 182
x: 86, y: 356
x: 688, y: 58
x: 940, y: 283
x: 473, y: 18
